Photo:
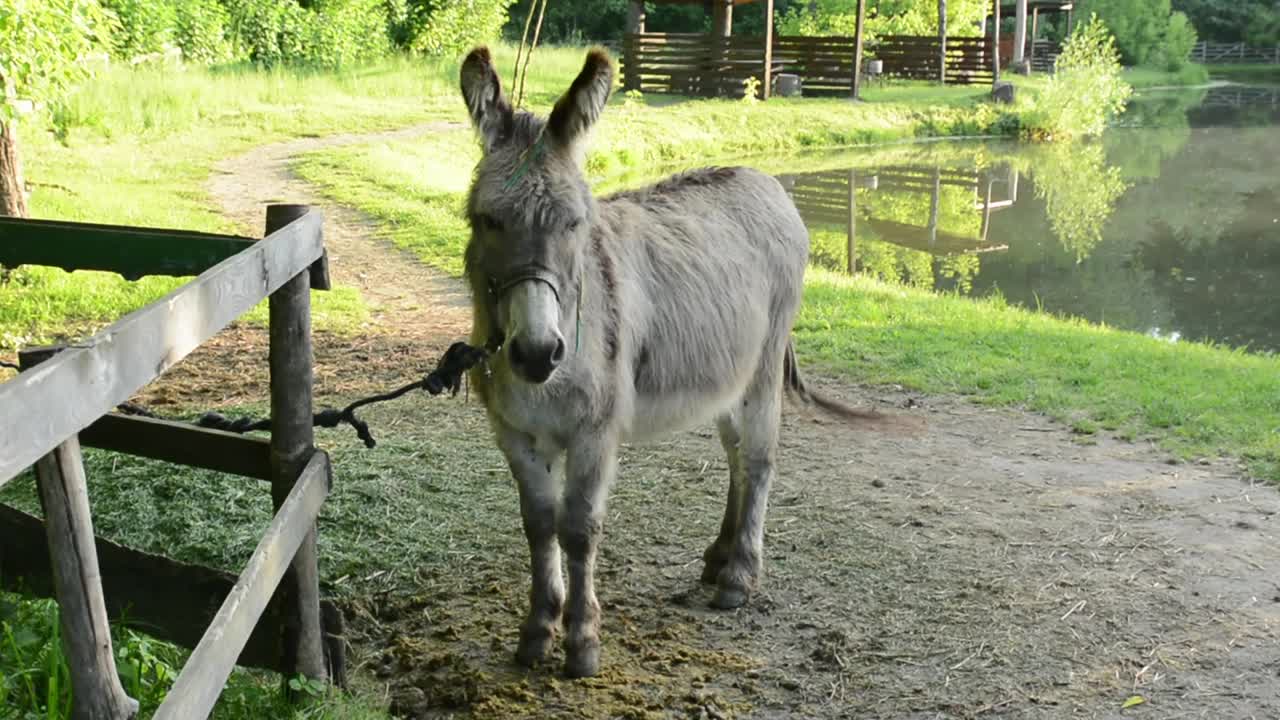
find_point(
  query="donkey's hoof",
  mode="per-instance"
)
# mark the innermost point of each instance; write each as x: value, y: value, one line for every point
x: 582, y: 662
x: 729, y: 598
x: 711, y: 572
x: 533, y: 647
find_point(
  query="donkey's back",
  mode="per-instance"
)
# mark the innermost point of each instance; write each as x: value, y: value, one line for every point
x: 710, y: 267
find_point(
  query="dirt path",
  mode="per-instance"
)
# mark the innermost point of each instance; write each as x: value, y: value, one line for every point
x: 994, y: 566
x: 415, y: 311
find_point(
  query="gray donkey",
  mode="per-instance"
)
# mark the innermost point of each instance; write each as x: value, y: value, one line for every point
x: 617, y: 319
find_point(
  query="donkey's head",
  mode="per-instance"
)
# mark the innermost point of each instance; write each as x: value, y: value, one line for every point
x: 531, y: 212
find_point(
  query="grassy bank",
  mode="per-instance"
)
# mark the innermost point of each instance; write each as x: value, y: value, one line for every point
x: 1246, y: 73
x: 1189, y: 75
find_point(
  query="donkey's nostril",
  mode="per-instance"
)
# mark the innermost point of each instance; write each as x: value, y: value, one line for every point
x: 517, y: 355
x: 558, y: 354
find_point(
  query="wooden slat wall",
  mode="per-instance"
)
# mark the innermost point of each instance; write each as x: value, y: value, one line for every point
x: 706, y: 65
x: 691, y: 64
x: 914, y: 57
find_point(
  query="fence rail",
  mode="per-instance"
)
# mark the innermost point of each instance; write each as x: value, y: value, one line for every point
x: 64, y: 395
x: 1223, y: 53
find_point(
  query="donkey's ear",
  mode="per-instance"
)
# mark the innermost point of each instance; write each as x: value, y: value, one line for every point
x: 577, y: 111
x: 490, y: 112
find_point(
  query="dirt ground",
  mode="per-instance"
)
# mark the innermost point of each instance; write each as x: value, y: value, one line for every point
x: 993, y: 566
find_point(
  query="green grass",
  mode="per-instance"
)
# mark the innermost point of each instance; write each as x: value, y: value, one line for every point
x: 1142, y: 78
x: 1246, y: 72
x: 1194, y: 399
x: 35, y: 677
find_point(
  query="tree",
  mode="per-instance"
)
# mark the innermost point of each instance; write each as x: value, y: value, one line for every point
x: 1146, y: 31
x: 43, y: 48
x: 1254, y: 21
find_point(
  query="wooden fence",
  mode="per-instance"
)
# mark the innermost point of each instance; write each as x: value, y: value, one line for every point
x: 271, y: 615
x: 1222, y: 53
x: 709, y: 65
x: 916, y: 57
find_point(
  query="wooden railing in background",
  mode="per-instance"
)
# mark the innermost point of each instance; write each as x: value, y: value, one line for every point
x: 916, y: 58
x: 1223, y: 53
x: 711, y: 66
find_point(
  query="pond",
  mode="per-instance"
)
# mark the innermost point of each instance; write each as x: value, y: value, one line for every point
x: 1170, y: 225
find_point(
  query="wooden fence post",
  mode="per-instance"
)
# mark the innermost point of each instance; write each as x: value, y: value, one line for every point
x: 766, y: 87
x: 82, y: 611
x: 995, y: 43
x: 292, y: 445
x: 857, y: 49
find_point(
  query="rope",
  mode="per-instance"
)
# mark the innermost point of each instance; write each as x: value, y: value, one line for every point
x: 453, y: 365
x: 7, y: 364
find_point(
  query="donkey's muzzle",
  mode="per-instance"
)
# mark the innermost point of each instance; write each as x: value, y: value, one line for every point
x: 535, y: 361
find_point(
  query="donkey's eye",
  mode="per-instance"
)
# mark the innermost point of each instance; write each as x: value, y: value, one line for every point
x: 574, y: 224
x: 488, y: 222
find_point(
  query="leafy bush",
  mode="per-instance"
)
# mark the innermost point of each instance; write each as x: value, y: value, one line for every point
x: 266, y: 32
x: 1179, y: 38
x: 890, y: 17
x: 341, y: 32
x: 200, y: 29
x: 329, y: 33
x: 451, y: 27
x: 44, y: 45
x: 146, y: 26
x: 1086, y: 91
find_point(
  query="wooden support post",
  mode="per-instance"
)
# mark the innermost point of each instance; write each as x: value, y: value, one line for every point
x: 82, y: 611
x: 1019, y: 33
x: 635, y: 17
x: 722, y: 18
x: 1035, y: 33
x: 767, y: 85
x: 851, y: 262
x: 857, y: 49
x: 1071, y: 21
x: 292, y: 445
x: 942, y: 41
x: 995, y: 43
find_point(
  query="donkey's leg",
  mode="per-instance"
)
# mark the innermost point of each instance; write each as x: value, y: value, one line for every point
x: 535, y: 472
x: 760, y: 414
x: 592, y: 462
x: 717, y: 554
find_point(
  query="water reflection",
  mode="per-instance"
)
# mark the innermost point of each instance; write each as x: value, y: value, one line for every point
x: 1172, y: 230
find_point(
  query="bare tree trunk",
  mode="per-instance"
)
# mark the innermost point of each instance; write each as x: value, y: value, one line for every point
x: 13, y: 199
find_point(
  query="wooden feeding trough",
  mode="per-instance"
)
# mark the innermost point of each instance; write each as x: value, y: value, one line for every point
x: 270, y: 616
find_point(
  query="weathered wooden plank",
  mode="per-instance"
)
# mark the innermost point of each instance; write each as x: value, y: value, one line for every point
x: 167, y: 599
x: 41, y: 408
x: 202, y: 679
x: 130, y: 251
x: 181, y: 443
x: 292, y: 447
x: 82, y: 613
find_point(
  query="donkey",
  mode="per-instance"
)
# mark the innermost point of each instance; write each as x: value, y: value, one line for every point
x: 613, y: 320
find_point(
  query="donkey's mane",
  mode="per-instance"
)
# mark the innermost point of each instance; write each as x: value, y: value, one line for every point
x: 675, y: 183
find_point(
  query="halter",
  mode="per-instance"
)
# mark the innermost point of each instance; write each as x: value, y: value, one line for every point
x: 498, y: 289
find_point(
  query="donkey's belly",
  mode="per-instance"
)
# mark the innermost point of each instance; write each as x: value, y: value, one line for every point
x: 654, y: 417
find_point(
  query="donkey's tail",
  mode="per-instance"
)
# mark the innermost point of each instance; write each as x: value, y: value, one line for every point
x: 869, y: 419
